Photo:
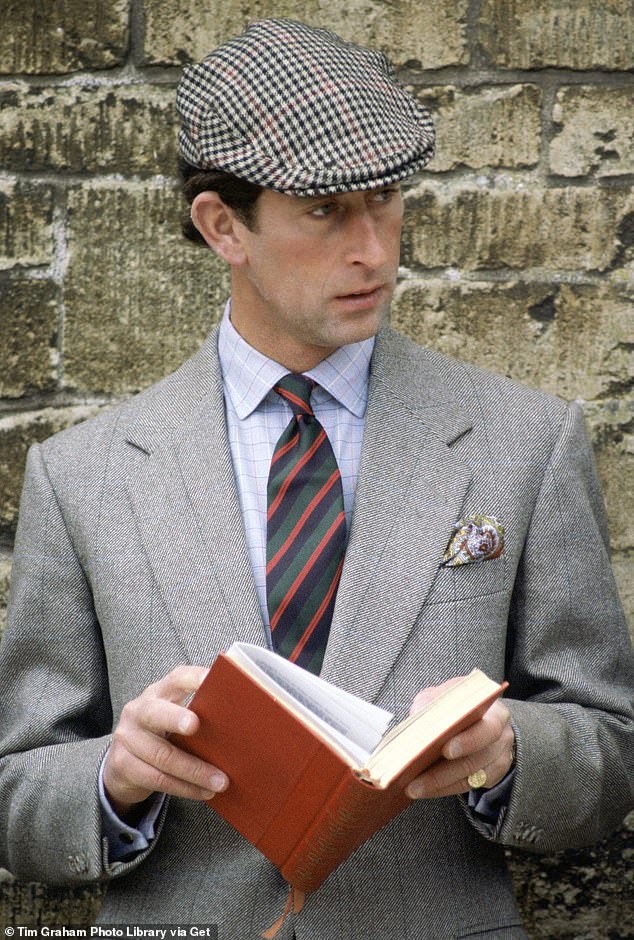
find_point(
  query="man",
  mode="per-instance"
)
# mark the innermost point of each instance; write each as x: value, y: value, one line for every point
x: 467, y: 531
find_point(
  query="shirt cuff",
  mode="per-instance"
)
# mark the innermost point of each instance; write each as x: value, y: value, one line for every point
x: 488, y: 804
x: 125, y: 841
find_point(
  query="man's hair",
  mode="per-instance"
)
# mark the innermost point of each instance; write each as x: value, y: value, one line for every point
x: 238, y: 194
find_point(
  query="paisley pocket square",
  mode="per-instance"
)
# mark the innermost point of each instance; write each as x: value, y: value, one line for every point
x: 475, y: 538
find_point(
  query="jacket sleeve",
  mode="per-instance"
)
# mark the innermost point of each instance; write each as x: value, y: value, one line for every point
x: 570, y: 665
x: 56, y: 716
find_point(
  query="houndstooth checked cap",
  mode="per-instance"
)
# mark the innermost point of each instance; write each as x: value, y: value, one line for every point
x: 301, y: 111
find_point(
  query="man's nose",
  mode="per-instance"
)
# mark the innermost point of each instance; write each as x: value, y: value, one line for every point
x: 365, y: 244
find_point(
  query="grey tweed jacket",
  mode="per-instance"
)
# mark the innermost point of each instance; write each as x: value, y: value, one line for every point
x: 131, y: 558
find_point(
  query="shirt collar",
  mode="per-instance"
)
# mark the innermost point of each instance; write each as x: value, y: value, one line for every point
x: 249, y: 376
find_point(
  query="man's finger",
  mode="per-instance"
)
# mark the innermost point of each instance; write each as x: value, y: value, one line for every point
x: 157, y: 716
x: 425, y: 696
x: 482, y: 734
x: 450, y: 777
x: 178, y: 684
x: 142, y: 779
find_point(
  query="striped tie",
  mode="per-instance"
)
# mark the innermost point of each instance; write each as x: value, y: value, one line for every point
x: 306, y: 531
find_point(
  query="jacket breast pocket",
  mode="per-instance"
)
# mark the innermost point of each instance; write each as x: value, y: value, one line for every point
x: 477, y: 579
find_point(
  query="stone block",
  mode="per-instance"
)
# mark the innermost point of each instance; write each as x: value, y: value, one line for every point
x: 5, y: 574
x: 90, y: 127
x: 26, y: 224
x: 428, y: 33
x: 29, y: 904
x: 17, y: 433
x: 596, y: 131
x: 52, y: 38
x: 582, y: 894
x: 139, y: 298
x: 571, y: 340
x: 519, y: 225
x: 534, y: 34
x: 497, y: 126
x: 29, y: 330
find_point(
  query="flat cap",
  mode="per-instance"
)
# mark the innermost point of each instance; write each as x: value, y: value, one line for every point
x: 301, y: 111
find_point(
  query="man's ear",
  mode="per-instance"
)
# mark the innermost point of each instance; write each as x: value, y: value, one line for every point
x: 219, y: 226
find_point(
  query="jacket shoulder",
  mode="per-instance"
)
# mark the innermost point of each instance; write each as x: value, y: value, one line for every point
x: 165, y: 405
x: 476, y: 389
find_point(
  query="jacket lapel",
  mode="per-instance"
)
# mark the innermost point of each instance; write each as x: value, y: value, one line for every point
x: 409, y: 495
x: 184, y: 498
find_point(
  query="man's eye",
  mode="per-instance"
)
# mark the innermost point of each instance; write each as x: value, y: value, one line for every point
x: 384, y: 195
x: 322, y: 211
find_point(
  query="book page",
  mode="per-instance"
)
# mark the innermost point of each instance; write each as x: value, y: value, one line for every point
x: 351, y: 723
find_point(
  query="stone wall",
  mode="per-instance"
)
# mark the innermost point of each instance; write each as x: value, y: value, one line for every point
x: 518, y: 254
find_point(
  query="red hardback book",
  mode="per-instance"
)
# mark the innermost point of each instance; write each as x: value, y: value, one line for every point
x: 294, y: 792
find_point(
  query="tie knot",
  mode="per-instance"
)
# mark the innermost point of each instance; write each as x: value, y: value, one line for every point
x: 296, y: 390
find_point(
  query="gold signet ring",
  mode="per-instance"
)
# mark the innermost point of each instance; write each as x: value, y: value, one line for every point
x: 477, y: 780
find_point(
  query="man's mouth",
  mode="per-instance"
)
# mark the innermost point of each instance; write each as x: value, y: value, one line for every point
x: 364, y: 292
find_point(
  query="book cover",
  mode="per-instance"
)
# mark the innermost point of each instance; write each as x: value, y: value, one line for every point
x: 291, y: 793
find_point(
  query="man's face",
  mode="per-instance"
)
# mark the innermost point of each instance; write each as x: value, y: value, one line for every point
x: 318, y: 272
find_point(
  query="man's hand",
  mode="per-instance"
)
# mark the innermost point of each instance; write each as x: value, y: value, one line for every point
x: 486, y: 745
x: 142, y: 761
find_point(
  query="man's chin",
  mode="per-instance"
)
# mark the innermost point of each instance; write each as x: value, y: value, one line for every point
x: 366, y: 326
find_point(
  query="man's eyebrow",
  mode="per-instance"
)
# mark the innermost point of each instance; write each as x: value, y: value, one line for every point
x: 319, y: 198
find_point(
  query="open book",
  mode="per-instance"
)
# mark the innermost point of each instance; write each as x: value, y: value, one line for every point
x: 312, y: 771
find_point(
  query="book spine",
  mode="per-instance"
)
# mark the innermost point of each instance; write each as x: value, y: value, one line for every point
x: 354, y: 812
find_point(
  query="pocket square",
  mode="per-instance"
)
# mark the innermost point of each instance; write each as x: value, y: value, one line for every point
x: 475, y: 538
